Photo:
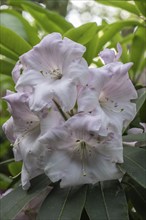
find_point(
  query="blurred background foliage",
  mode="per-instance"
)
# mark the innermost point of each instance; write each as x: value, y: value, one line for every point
x: 95, y: 24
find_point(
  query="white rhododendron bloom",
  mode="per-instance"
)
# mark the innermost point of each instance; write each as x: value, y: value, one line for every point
x: 52, y: 69
x: 83, y: 151
x: 109, y: 92
x: 67, y: 119
x: 23, y: 130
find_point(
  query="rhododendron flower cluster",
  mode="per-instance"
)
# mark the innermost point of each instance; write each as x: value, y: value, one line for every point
x: 67, y: 118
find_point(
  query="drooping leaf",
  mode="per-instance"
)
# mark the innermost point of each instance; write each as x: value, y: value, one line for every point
x: 14, y: 21
x: 63, y: 204
x: 5, y: 181
x: 138, y: 49
x: 84, y: 33
x: 141, y: 5
x: 14, y: 202
x: 135, y: 164
x: 106, y: 201
x: 51, y: 18
x: 8, y: 53
x: 105, y: 35
x: 6, y: 66
x: 13, y: 42
x: 119, y: 4
x: 91, y: 49
x: 141, y: 99
x: 135, y: 137
x: 15, y: 168
x: 42, y: 19
x: 136, y: 195
x: 110, y: 30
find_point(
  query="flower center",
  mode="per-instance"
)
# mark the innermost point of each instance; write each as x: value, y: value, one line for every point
x: 109, y: 104
x: 29, y: 128
x: 83, y: 150
x: 55, y: 73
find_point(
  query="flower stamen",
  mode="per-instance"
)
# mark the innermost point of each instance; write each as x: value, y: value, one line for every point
x: 81, y: 148
x: 109, y: 104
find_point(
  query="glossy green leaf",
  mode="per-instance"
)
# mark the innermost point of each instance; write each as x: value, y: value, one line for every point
x: 137, y: 196
x: 15, y: 168
x: 6, y: 66
x: 110, y: 30
x: 8, y: 53
x: 141, y: 5
x: 135, y: 164
x: 135, y: 137
x: 91, y: 49
x: 141, y: 99
x: 47, y: 24
x: 84, y: 33
x: 105, y: 35
x: 51, y: 18
x: 6, y: 83
x: 119, y: 4
x: 138, y: 49
x: 106, y: 201
x: 5, y: 181
x: 63, y: 204
x: 13, y: 203
x: 14, y: 21
x: 13, y: 42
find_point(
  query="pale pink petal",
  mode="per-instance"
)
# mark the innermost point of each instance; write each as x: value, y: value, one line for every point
x: 64, y: 92
x: 30, y: 79
x: 107, y: 55
x: 69, y: 168
x: 119, y: 49
x: 8, y: 128
x: 77, y: 71
x: 16, y: 72
x: 87, y: 99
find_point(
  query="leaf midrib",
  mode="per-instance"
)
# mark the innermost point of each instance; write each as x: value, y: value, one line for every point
x: 104, y: 202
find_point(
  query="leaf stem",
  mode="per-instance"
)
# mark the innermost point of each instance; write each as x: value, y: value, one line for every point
x: 7, y: 161
x: 60, y: 110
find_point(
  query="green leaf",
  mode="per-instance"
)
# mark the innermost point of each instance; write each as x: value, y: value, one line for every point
x: 119, y: 4
x: 14, y: 202
x: 135, y: 165
x: 141, y: 5
x: 106, y: 201
x: 138, y: 49
x: 14, y: 21
x: 137, y: 196
x: 15, y: 168
x: 105, y: 35
x: 49, y: 26
x: 110, y: 30
x: 8, y: 53
x: 5, y: 181
x: 13, y: 42
x: 6, y: 66
x: 52, y: 22
x: 91, y: 49
x: 141, y: 99
x: 135, y: 137
x: 63, y: 204
x: 78, y: 34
